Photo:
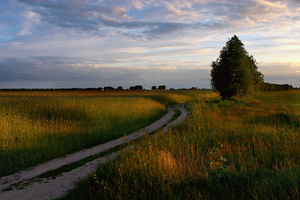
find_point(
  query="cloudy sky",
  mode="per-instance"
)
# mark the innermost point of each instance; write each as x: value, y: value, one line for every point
x: 96, y: 43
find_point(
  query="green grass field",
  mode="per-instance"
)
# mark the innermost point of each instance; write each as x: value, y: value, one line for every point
x: 291, y: 98
x: 225, y: 150
x: 37, y: 126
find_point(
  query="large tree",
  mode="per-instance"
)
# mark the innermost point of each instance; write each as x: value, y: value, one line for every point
x: 235, y: 71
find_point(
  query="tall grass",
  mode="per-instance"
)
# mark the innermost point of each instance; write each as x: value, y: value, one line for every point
x: 225, y: 150
x: 37, y: 128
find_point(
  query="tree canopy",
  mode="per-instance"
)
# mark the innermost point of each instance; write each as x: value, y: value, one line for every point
x: 235, y: 71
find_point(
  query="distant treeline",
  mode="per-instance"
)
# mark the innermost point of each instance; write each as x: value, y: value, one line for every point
x: 275, y: 87
x: 264, y: 87
x: 48, y: 89
x: 106, y: 88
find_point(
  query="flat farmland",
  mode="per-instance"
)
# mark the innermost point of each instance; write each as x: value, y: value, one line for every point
x: 233, y: 149
x: 37, y: 126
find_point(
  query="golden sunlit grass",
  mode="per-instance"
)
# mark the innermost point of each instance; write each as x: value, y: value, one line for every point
x: 36, y: 126
x: 39, y: 126
x: 225, y: 150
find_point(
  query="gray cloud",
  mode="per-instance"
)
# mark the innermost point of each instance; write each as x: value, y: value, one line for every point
x: 93, y: 17
x: 96, y: 17
x: 55, y: 60
x: 291, y: 79
x: 42, y: 68
x: 281, y: 73
x: 10, y: 69
x: 64, y: 72
x: 77, y: 14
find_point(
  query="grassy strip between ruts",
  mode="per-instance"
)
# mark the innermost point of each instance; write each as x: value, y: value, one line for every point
x: 52, y: 174
x: 225, y: 150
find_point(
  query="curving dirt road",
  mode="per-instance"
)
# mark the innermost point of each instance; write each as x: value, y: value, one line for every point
x: 54, y: 188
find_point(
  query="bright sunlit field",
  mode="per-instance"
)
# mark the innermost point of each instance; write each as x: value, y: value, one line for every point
x: 36, y: 126
x: 224, y: 150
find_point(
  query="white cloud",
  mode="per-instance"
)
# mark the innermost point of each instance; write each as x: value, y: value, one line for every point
x: 31, y: 19
x: 138, y: 4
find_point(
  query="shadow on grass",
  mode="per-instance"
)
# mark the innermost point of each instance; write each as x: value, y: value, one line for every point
x: 223, y: 103
x: 231, y: 185
x: 278, y: 119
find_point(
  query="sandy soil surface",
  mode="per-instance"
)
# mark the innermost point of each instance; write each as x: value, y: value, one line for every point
x: 54, y: 188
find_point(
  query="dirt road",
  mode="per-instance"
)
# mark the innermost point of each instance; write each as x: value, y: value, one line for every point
x: 54, y: 188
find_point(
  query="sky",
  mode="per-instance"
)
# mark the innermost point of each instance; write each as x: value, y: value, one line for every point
x: 97, y: 43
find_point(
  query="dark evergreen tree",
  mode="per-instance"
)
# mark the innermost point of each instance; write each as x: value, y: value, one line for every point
x: 235, y: 71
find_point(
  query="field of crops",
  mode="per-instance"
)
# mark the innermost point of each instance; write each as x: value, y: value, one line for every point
x: 225, y: 150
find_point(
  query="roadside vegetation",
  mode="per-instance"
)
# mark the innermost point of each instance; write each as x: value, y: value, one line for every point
x: 37, y: 126
x: 226, y: 149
